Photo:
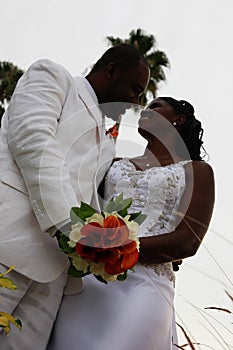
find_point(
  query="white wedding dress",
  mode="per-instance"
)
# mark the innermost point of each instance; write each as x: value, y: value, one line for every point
x: 136, y: 314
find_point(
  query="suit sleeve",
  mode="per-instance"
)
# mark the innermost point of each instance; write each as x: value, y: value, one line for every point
x: 34, y: 114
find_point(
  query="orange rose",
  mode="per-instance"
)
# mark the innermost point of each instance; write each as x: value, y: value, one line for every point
x: 128, y: 258
x: 116, y: 232
x: 111, y: 255
x: 84, y: 250
x: 128, y: 248
x: 109, y: 245
x: 93, y: 233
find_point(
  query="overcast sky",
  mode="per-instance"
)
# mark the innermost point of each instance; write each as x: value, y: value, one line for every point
x: 196, y: 35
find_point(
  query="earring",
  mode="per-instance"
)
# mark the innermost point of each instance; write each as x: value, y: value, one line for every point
x: 174, y: 123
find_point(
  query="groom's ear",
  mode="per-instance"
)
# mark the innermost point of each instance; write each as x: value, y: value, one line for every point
x: 112, y: 71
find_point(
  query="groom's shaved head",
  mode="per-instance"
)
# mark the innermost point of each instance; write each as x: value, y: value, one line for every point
x: 124, y: 56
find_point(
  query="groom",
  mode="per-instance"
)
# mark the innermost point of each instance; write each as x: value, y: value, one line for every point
x: 54, y: 153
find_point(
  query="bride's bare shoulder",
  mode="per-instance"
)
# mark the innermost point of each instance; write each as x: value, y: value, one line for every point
x: 200, y: 167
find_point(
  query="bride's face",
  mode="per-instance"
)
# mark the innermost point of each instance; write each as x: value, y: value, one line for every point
x: 157, y: 117
x: 163, y: 108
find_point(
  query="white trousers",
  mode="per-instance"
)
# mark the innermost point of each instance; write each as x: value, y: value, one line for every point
x: 36, y: 305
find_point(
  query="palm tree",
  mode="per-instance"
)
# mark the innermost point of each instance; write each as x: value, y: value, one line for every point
x: 9, y: 75
x: 156, y: 59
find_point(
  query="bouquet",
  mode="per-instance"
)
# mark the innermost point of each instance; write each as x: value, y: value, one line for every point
x: 105, y: 244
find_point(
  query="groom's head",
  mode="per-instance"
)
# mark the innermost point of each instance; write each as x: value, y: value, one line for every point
x: 119, y: 77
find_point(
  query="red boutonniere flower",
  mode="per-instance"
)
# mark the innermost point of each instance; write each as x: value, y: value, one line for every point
x: 113, y: 131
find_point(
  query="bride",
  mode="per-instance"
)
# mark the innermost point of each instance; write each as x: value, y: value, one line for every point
x: 174, y: 187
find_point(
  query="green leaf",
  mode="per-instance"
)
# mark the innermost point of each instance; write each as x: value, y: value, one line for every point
x: 75, y: 215
x: 123, y: 212
x: 63, y: 239
x: 65, y: 233
x: 122, y: 276
x: 119, y: 205
x: 138, y: 217
x: 100, y: 278
x: 80, y: 214
x: 72, y: 271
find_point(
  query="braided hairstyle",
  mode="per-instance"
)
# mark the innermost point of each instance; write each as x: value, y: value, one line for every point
x: 191, y: 131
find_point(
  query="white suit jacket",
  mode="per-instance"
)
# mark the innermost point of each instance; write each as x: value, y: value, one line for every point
x: 53, y: 155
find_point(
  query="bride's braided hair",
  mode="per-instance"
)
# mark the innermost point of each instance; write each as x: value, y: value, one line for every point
x: 191, y: 131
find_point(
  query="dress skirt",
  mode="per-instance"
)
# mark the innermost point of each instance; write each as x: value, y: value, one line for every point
x: 136, y: 314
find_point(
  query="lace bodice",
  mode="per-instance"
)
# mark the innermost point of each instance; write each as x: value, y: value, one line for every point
x: 155, y: 192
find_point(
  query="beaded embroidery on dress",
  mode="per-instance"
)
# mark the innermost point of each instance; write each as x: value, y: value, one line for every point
x: 156, y: 192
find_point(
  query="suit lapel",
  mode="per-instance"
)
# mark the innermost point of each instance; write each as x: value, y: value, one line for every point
x: 90, y: 104
x: 94, y: 111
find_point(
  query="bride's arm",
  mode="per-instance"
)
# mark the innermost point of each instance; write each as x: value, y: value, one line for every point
x: 187, y: 237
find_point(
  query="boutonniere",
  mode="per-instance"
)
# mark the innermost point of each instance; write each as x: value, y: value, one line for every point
x: 113, y: 131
